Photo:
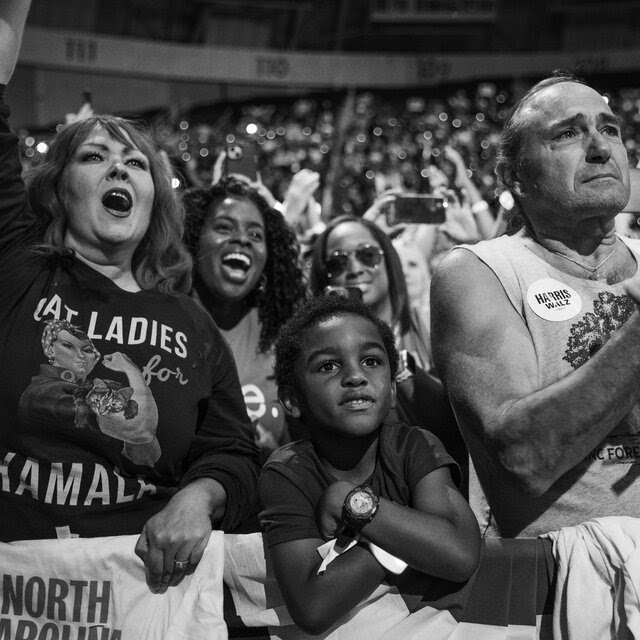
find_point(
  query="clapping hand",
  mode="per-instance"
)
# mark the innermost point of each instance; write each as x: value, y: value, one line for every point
x: 299, y: 195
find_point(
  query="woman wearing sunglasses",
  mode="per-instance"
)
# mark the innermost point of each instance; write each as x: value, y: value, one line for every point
x: 356, y: 254
x: 353, y: 252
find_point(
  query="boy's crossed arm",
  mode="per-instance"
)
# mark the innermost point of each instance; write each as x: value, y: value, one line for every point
x: 437, y: 535
x: 314, y: 601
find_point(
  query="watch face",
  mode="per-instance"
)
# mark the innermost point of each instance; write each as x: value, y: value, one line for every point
x: 361, y: 503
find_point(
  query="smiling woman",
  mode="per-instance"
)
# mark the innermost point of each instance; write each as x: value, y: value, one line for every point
x: 114, y: 381
x: 248, y: 278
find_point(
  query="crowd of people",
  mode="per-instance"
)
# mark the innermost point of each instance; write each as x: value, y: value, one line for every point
x: 226, y: 353
x: 382, y: 139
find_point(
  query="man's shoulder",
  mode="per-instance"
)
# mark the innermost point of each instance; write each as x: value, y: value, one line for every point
x: 504, y: 244
x: 471, y: 269
x: 470, y: 253
x: 487, y: 269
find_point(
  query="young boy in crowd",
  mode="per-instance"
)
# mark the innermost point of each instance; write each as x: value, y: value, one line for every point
x: 358, y: 476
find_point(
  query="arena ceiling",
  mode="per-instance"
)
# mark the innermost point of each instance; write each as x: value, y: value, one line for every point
x: 354, y: 25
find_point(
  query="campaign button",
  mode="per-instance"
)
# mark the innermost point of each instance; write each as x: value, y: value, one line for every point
x: 552, y: 300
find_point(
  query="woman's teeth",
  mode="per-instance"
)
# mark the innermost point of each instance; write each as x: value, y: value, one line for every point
x: 237, y: 261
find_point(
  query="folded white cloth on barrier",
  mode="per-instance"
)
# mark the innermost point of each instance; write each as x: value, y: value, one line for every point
x: 598, y: 589
x: 53, y: 588
x: 330, y: 550
x: 384, y: 615
x: 258, y: 601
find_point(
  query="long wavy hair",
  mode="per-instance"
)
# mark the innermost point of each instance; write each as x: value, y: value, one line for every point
x: 398, y: 295
x: 160, y: 262
x: 283, y: 288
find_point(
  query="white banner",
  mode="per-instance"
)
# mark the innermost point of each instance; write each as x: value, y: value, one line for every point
x: 95, y: 589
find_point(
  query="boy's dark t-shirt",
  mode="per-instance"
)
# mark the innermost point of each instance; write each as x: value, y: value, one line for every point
x: 294, y: 478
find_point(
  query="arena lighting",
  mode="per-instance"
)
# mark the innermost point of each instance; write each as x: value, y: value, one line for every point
x: 175, y: 183
x: 252, y: 128
x: 42, y: 147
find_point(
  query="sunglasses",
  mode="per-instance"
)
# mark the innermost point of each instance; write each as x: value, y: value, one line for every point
x: 367, y: 255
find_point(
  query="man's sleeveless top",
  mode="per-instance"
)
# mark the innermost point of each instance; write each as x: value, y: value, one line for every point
x: 568, y: 319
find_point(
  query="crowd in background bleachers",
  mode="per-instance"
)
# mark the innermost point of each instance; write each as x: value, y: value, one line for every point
x: 380, y: 139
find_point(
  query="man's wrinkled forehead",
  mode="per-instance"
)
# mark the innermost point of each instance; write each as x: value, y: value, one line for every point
x: 561, y: 101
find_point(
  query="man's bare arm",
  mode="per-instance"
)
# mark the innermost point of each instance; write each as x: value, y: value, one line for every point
x: 486, y: 359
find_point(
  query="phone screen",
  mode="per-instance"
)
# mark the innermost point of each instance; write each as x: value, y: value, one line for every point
x: 417, y: 208
x: 241, y: 160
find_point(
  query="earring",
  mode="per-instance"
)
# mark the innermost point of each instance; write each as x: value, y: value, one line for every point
x: 262, y: 285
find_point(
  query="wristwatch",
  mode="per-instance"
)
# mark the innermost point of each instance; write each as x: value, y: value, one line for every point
x: 359, y: 507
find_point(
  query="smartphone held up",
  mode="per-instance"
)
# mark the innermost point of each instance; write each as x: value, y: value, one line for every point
x: 416, y: 208
x: 241, y: 160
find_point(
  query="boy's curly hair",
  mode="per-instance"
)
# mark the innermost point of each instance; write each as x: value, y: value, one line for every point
x: 284, y: 288
x: 289, y: 342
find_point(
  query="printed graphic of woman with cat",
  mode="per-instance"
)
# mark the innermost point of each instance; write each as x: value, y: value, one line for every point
x: 61, y: 391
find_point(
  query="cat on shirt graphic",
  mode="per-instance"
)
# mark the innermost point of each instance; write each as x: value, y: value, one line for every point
x: 63, y: 392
